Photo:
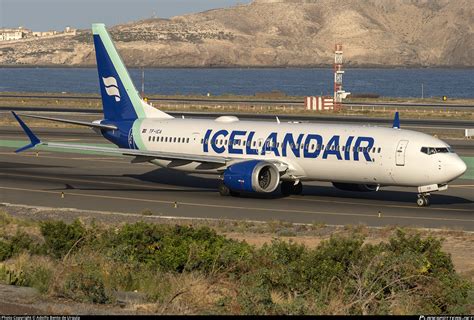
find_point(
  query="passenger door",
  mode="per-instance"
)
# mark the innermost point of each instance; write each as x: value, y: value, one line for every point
x: 400, y: 154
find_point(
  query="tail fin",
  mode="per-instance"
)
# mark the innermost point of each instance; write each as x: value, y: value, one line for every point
x: 120, y: 98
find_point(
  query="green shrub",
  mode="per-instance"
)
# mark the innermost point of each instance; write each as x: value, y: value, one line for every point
x: 40, y: 277
x: 175, y: 249
x: 360, y: 278
x: 407, y: 274
x: 86, y: 287
x: 5, y: 250
x: 61, y: 237
x: 18, y: 243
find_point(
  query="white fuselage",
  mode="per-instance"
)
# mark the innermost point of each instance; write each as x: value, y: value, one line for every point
x: 318, y: 152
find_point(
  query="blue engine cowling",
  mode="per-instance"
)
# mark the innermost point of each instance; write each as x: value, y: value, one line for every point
x: 252, y: 176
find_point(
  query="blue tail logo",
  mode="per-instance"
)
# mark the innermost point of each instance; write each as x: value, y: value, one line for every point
x: 111, y: 87
x: 120, y: 98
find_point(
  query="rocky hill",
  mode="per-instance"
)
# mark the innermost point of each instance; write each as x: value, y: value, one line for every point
x: 280, y: 33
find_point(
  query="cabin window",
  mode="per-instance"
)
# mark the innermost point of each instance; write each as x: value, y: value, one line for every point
x: 380, y: 149
x: 187, y: 140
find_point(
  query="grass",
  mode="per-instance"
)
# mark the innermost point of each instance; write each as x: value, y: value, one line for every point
x: 95, y: 103
x: 192, y: 267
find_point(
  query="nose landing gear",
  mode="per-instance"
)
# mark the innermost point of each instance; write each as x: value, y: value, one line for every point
x: 423, y: 200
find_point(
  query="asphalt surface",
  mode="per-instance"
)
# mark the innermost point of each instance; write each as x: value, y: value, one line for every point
x: 95, y: 182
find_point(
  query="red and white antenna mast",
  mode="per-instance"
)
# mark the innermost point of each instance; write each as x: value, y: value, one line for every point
x: 339, y: 94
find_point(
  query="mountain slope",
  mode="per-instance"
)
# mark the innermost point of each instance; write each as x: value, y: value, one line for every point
x: 281, y: 33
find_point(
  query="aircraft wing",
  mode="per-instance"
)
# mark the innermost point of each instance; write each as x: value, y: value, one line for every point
x: 35, y: 141
x: 139, y: 153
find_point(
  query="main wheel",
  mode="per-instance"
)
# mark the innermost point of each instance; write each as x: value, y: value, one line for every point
x: 427, y: 202
x: 234, y: 193
x: 224, y: 190
x: 286, y: 188
x: 289, y: 188
x: 298, y: 188
x: 420, y: 202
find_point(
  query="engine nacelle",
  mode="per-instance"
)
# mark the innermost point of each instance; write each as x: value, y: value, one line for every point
x: 356, y: 187
x: 252, y: 176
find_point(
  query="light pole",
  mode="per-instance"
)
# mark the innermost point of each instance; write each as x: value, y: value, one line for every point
x: 143, y: 82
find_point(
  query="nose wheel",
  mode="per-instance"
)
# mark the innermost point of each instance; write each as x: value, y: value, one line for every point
x: 423, y: 200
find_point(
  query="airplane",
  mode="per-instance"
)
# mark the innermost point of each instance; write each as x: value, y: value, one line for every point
x: 255, y: 156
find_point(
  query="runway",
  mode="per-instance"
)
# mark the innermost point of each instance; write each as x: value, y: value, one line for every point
x: 96, y: 182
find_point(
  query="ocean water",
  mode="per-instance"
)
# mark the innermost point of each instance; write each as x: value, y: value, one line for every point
x: 455, y: 83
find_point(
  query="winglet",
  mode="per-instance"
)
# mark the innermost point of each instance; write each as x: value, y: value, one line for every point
x: 33, y: 138
x: 396, y: 121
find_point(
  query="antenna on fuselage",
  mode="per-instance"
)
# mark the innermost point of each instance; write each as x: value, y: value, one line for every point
x: 278, y: 120
x: 396, y: 121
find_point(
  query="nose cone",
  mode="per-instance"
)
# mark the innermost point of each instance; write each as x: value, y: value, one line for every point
x: 462, y: 167
x: 458, y: 168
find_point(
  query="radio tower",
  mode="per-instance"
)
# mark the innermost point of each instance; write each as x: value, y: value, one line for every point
x: 339, y: 94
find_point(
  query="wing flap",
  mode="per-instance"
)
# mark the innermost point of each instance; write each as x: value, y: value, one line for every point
x: 139, y: 153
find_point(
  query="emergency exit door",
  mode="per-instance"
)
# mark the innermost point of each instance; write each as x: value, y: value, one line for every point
x: 400, y: 154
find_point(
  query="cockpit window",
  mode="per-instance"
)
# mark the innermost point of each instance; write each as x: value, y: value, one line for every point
x: 432, y: 150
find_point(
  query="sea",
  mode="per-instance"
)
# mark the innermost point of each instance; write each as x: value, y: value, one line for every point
x: 454, y: 83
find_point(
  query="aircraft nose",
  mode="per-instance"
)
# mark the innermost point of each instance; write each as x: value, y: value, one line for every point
x: 462, y: 167
x: 459, y: 167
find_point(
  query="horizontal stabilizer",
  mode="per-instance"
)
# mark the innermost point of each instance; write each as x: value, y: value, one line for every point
x: 34, y: 140
x: 76, y: 122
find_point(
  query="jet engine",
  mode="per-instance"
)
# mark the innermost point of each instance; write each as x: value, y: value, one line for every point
x: 356, y: 187
x: 252, y: 176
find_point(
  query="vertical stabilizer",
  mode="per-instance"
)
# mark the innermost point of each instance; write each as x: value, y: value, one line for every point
x: 120, y: 98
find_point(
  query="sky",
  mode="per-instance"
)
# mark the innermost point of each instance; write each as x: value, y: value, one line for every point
x: 42, y: 15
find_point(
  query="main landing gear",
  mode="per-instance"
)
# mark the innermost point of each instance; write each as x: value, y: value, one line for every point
x: 225, y: 191
x: 290, y: 188
x: 423, y: 200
